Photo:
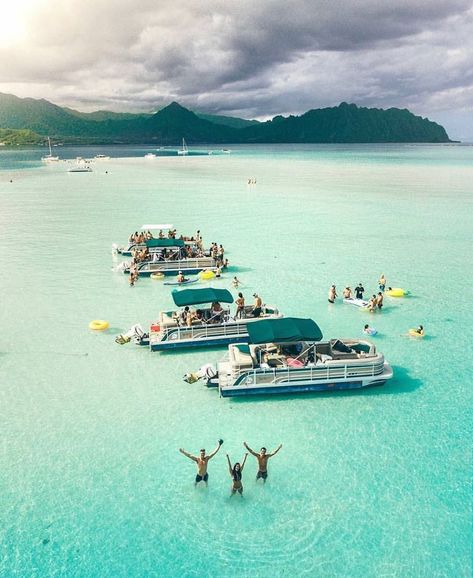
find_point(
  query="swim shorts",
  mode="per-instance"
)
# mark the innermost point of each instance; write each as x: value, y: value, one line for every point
x: 261, y: 474
x: 200, y: 478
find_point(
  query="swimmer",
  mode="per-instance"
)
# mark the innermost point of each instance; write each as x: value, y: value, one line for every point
x: 235, y: 282
x: 420, y: 330
x: 332, y: 294
x: 359, y: 289
x: 347, y: 293
x: 235, y: 474
x: 379, y: 300
x: 202, y: 462
x: 262, y: 458
x: 369, y: 330
x: 372, y: 304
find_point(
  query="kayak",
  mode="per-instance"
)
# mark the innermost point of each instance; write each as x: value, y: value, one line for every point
x: 186, y: 282
x: 356, y: 302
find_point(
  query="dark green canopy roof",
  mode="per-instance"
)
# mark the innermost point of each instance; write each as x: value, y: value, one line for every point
x: 198, y: 296
x: 164, y: 243
x: 284, y: 330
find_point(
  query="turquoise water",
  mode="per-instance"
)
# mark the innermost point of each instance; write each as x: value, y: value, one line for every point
x: 371, y: 483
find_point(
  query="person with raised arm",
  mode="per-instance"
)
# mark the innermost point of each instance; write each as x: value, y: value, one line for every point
x: 235, y: 473
x: 202, y: 461
x: 262, y: 458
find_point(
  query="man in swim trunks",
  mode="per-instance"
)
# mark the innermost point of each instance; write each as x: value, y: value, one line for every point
x: 202, y: 462
x: 262, y: 458
x: 359, y: 290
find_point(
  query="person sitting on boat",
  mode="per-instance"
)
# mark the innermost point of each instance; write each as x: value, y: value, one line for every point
x: 359, y: 290
x: 216, y: 312
x: 235, y: 474
x: 240, y: 303
x: 379, y: 300
x: 262, y: 458
x: 256, y: 312
x: 420, y: 330
x: 332, y: 294
x: 185, y: 315
x: 198, y: 316
x: 161, y: 234
x: 347, y: 293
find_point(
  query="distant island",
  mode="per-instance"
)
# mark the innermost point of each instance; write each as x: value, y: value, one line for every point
x: 30, y: 121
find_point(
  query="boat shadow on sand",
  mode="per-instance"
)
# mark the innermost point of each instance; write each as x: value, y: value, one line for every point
x: 401, y: 383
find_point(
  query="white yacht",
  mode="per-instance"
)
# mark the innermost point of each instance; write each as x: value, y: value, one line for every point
x: 184, y: 151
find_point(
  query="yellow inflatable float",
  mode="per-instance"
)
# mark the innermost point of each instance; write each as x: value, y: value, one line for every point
x: 98, y: 325
x: 157, y: 276
x: 206, y: 274
x: 415, y: 333
x: 396, y: 292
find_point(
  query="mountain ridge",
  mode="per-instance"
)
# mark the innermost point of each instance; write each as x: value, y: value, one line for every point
x: 345, y: 123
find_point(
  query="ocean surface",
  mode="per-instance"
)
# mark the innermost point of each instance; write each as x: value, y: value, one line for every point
x: 372, y: 483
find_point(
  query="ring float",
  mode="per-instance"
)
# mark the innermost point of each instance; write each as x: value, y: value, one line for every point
x: 415, y: 333
x: 157, y: 276
x: 98, y: 325
x: 207, y: 274
x: 396, y: 292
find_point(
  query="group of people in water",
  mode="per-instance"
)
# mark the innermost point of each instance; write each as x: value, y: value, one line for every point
x: 236, y: 470
x: 376, y: 301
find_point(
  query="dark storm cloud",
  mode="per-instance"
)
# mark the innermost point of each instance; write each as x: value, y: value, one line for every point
x: 250, y: 58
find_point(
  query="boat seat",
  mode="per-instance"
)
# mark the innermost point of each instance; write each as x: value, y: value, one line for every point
x: 167, y: 320
x: 241, y: 355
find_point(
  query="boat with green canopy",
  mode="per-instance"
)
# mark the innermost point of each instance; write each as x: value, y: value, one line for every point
x: 204, y: 320
x: 288, y: 356
x: 170, y: 256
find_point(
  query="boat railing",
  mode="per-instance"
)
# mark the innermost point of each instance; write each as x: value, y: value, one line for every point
x: 204, y: 331
x: 287, y: 374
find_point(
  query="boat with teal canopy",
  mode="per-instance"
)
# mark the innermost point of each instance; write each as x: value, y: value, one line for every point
x: 199, y: 296
x: 287, y: 356
x: 205, y: 319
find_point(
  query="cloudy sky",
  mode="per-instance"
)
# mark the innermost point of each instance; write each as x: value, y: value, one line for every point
x: 249, y: 58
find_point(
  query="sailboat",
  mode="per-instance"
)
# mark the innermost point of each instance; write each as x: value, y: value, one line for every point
x: 49, y: 158
x: 184, y: 150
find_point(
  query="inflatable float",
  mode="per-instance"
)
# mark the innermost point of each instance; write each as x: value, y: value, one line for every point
x: 98, y: 325
x: 415, y: 333
x: 157, y: 276
x: 396, y: 292
x: 185, y: 282
x: 207, y: 274
x: 356, y: 302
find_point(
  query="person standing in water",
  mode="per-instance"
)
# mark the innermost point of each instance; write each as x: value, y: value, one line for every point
x: 202, y: 462
x: 235, y: 474
x: 332, y: 294
x: 382, y: 282
x: 359, y: 290
x: 262, y: 459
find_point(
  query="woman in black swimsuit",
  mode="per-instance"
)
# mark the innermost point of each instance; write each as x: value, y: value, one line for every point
x: 235, y: 474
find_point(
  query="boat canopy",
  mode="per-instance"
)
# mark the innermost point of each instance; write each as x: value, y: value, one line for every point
x: 284, y: 330
x: 198, y: 296
x: 164, y: 243
x: 148, y: 227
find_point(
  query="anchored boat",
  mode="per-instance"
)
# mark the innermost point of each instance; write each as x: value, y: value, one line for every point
x: 288, y: 356
x: 210, y: 325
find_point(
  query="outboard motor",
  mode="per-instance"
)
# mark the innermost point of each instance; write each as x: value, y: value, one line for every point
x: 206, y: 372
x: 135, y: 332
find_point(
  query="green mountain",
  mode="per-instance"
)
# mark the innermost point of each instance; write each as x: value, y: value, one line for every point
x: 346, y: 123
x: 11, y: 137
x: 233, y: 122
